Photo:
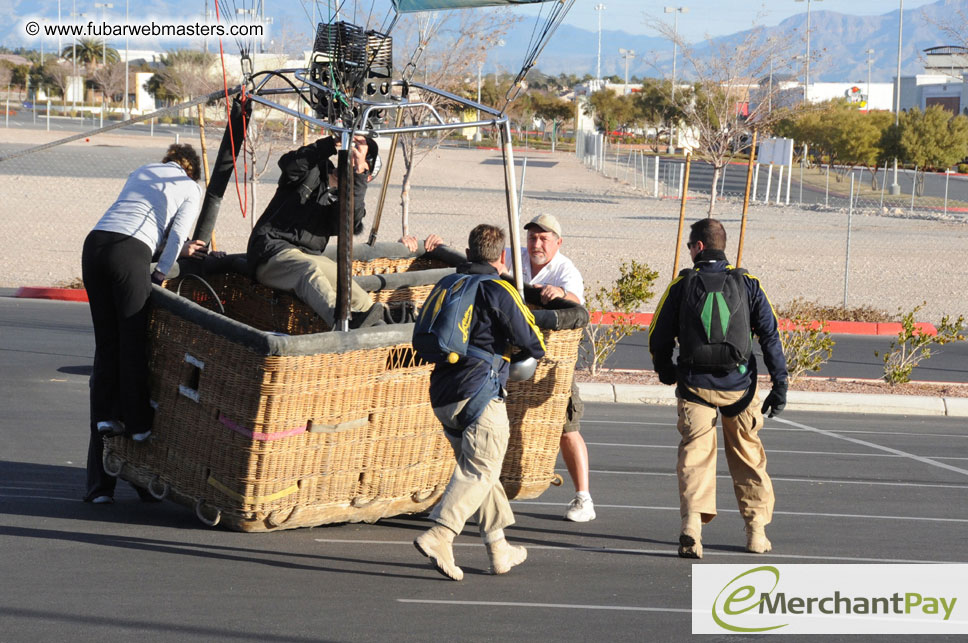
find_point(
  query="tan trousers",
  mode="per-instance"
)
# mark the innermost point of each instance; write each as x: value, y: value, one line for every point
x: 475, y: 487
x: 311, y: 278
x: 745, y: 456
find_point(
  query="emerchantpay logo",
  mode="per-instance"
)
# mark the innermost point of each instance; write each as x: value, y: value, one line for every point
x: 829, y: 599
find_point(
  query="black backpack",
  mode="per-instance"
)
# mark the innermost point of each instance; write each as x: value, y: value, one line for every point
x: 714, y: 321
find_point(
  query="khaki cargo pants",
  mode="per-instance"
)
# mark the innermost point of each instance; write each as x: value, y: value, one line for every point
x: 312, y: 278
x: 475, y: 487
x: 745, y: 456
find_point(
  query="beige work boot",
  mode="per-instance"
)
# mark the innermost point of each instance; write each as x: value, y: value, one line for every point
x: 437, y: 544
x: 756, y: 540
x: 504, y: 556
x: 690, y: 545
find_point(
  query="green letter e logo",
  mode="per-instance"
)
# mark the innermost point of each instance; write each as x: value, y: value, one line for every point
x: 737, y: 598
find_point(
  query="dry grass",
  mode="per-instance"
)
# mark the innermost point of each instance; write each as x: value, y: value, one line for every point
x: 802, y: 309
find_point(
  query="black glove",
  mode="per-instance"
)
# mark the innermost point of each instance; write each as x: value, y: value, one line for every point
x: 667, y: 374
x: 776, y: 400
x: 326, y: 146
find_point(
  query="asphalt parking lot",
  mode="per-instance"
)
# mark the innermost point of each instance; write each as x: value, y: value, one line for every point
x: 850, y: 489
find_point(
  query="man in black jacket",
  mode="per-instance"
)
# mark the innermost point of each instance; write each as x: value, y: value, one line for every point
x: 468, y: 398
x: 712, y: 310
x: 286, y: 246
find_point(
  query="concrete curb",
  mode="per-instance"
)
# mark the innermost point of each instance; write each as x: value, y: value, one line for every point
x: 796, y: 400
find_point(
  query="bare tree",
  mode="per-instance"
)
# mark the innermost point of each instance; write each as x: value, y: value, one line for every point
x: 60, y: 75
x: 110, y: 78
x: 6, y: 75
x: 265, y: 136
x: 450, y: 47
x: 728, y: 97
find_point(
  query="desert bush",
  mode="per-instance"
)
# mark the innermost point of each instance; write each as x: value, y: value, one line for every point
x: 632, y: 289
x: 913, y: 345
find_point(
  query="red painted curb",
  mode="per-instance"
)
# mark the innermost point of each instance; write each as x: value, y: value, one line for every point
x: 642, y: 319
x: 61, y: 294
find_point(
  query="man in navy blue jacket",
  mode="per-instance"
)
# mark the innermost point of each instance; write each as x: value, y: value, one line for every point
x: 500, y: 321
x: 703, y: 392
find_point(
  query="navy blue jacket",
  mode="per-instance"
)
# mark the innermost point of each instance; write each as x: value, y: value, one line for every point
x: 500, y: 320
x: 298, y: 220
x: 664, y: 330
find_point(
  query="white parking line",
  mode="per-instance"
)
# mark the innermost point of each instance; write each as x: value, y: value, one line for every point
x: 874, y: 483
x: 832, y: 434
x: 736, y: 511
x: 669, y: 552
x: 781, y: 429
x: 788, y: 451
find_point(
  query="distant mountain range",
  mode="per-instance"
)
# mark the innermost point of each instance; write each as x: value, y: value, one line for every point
x: 838, y: 41
x: 838, y: 44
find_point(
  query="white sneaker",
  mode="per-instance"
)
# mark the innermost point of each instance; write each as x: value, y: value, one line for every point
x: 103, y: 500
x: 580, y: 510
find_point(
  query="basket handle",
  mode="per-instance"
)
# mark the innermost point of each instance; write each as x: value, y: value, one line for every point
x: 208, y: 522
x: 160, y: 495
x: 111, y: 457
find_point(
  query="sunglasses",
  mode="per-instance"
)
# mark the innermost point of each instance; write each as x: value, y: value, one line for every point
x: 691, y: 244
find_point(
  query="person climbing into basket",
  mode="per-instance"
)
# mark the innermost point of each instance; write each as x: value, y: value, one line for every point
x: 467, y: 395
x: 557, y: 278
x: 711, y: 311
x: 285, y: 249
x: 155, y: 211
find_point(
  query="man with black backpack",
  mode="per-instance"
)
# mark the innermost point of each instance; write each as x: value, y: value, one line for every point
x: 713, y: 310
x: 467, y: 327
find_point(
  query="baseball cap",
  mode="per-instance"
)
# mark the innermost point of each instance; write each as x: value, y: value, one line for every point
x: 546, y: 222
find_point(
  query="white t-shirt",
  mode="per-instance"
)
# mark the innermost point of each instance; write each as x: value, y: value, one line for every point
x: 560, y: 272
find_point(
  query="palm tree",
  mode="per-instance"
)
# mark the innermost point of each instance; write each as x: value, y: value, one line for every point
x: 90, y: 51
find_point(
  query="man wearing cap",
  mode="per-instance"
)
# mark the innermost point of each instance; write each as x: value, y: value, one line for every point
x: 557, y: 277
x: 286, y: 247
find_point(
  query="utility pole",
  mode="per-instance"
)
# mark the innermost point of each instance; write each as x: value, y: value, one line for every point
x: 626, y: 54
x: 895, y: 187
x: 598, y: 69
x: 806, y: 83
x: 675, y: 11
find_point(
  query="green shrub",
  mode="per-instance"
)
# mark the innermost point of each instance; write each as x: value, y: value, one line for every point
x: 912, y: 345
x: 632, y: 289
x: 963, y: 168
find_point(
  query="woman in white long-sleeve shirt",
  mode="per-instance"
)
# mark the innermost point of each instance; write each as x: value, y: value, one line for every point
x: 154, y: 212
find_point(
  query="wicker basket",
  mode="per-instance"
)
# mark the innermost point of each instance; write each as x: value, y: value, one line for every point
x: 266, y: 431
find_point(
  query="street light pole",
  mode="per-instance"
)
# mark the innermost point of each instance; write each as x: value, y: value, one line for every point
x: 127, y: 114
x: 626, y: 54
x: 104, y: 6
x: 806, y: 82
x: 598, y: 69
x: 870, y: 58
x: 895, y: 187
x: 675, y: 11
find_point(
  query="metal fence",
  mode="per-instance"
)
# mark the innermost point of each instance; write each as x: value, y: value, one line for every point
x: 942, y: 195
x: 828, y: 234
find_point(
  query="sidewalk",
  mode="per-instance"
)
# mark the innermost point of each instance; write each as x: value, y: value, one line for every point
x: 796, y: 400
